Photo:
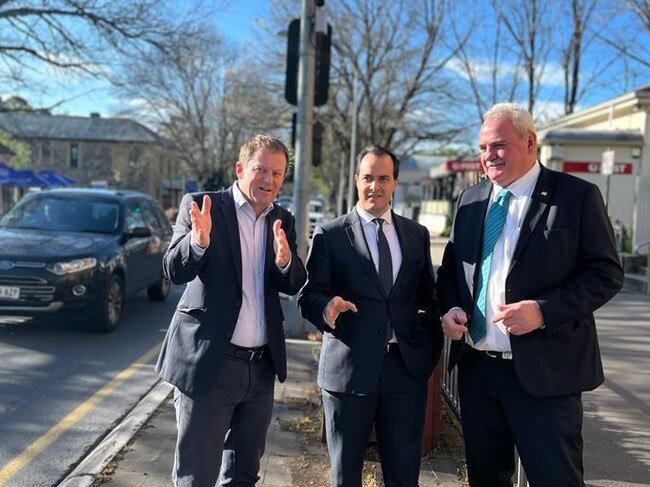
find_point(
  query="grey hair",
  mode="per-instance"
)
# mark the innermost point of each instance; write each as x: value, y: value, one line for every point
x: 520, y: 117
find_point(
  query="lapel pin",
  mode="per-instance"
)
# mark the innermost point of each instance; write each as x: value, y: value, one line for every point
x: 544, y: 193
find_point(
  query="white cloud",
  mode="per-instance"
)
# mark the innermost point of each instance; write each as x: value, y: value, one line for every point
x: 483, y: 70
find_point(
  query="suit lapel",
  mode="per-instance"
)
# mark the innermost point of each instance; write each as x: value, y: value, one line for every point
x: 358, y: 242
x: 477, y: 219
x: 269, y: 254
x: 542, y: 195
x: 405, y: 240
x: 231, y: 227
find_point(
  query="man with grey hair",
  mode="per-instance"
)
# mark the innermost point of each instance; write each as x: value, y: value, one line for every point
x: 236, y: 250
x: 530, y: 258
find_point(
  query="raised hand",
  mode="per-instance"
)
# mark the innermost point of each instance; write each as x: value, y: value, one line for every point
x: 334, y: 307
x: 280, y: 244
x: 201, y: 221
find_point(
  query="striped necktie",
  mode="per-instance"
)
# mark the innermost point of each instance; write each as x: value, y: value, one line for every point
x: 493, y: 227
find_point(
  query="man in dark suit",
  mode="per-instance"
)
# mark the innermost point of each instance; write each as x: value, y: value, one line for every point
x: 236, y: 250
x: 371, y: 290
x: 530, y: 258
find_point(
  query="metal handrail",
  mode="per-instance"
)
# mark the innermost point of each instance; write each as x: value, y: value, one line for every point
x: 647, y: 264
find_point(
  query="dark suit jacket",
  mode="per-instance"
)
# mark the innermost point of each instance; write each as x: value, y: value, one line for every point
x: 565, y: 259
x: 340, y: 264
x: 202, y: 326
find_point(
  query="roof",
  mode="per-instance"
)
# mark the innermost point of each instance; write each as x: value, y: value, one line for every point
x: 62, y: 127
x: 620, y: 137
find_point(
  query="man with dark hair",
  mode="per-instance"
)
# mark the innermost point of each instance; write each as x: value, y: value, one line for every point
x: 530, y: 258
x: 370, y: 289
x: 236, y: 250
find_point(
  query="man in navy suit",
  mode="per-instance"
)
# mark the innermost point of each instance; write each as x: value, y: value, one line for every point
x: 236, y: 250
x: 531, y: 257
x: 371, y: 290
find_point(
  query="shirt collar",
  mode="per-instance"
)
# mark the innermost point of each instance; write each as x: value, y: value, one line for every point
x: 240, y: 200
x: 521, y: 186
x: 369, y: 217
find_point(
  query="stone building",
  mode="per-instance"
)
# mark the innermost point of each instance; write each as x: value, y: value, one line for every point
x: 115, y: 152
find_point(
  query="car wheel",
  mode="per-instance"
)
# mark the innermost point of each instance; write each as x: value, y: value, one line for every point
x: 110, y: 308
x: 160, y: 290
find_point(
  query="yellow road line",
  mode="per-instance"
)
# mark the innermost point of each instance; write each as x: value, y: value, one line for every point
x: 45, y: 440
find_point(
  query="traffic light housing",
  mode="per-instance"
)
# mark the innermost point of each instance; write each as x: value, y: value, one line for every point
x: 317, y: 139
x: 322, y: 65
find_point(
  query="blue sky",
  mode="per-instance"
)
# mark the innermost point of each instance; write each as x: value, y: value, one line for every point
x: 83, y: 95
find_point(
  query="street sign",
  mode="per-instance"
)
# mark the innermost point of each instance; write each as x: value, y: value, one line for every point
x: 191, y: 186
x: 607, y: 163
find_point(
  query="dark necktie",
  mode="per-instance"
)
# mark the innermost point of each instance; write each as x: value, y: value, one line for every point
x: 493, y: 227
x: 385, y: 261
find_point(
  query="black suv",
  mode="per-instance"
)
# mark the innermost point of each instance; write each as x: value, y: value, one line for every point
x: 80, y: 252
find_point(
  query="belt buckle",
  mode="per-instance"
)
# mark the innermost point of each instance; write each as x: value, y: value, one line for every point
x: 255, y: 354
x: 491, y: 354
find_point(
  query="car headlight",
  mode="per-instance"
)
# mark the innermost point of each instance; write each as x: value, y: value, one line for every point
x: 72, y: 266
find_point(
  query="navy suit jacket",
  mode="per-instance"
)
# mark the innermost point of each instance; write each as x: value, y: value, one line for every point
x: 200, y: 331
x: 340, y: 264
x: 565, y: 259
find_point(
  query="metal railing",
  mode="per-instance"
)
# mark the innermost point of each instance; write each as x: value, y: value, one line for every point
x: 450, y: 393
x: 647, y: 264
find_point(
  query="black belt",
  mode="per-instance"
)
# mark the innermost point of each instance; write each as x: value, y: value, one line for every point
x: 248, y: 353
x: 392, y: 349
x: 493, y: 354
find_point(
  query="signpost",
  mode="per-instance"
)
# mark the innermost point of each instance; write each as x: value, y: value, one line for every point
x: 607, y: 169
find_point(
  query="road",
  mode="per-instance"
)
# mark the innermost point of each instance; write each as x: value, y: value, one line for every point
x: 63, y: 387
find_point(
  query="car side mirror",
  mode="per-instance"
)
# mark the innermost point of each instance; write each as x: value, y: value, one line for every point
x: 138, y: 232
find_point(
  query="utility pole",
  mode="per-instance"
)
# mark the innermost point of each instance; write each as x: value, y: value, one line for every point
x: 304, y: 131
x: 353, y: 140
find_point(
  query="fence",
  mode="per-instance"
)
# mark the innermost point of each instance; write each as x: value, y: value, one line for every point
x: 450, y: 393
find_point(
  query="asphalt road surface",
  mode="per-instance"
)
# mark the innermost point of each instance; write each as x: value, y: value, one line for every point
x: 63, y: 386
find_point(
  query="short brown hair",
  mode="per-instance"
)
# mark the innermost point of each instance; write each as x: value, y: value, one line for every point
x: 377, y: 150
x: 262, y: 141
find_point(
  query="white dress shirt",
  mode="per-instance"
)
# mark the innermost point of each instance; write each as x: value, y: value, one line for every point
x: 370, y: 231
x: 521, y: 190
x: 250, y: 330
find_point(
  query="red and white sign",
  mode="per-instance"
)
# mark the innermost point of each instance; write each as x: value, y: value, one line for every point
x: 594, y: 167
x: 464, y: 165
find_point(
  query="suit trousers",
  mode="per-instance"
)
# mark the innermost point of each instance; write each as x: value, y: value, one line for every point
x: 224, y: 429
x: 497, y: 415
x: 397, y: 410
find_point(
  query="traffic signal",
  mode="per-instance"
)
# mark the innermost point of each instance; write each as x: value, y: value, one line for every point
x: 317, y: 139
x: 322, y: 67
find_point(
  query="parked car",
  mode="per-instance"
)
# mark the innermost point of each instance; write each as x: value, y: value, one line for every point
x: 79, y: 253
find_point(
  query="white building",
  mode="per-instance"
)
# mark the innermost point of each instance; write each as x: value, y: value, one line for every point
x: 576, y: 143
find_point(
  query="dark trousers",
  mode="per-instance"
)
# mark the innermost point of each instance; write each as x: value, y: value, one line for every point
x: 224, y: 430
x: 498, y: 414
x: 397, y: 410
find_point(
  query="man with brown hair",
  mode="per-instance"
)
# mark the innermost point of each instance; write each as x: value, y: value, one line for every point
x: 236, y: 250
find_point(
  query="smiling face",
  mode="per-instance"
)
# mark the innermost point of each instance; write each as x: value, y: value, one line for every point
x: 261, y: 177
x: 375, y: 183
x: 505, y: 155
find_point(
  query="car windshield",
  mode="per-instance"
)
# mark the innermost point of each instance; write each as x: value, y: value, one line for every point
x: 63, y: 214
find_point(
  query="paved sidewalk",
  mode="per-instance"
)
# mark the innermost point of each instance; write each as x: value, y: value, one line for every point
x: 147, y: 460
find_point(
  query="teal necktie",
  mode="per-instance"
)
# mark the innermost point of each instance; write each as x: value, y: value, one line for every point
x: 493, y: 227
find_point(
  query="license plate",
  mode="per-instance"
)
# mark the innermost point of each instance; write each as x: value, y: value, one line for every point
x: 9, y: 292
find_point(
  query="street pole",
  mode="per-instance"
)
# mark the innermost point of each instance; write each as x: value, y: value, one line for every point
x: 304, y: 129
x: 353, y: 141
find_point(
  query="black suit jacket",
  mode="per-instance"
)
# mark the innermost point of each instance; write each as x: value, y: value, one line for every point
x: 565, y: 259
x: 340, y: 264
x: 202, y: 326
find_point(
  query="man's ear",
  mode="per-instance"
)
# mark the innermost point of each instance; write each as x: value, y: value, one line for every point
x: 532, y: 143
x: 239, y: 169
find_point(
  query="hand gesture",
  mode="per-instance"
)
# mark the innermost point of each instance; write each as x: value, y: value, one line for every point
x: 280, y: 244
x: 335, y: 306
x: 519, y: 318
x: 454, y: 323
x: 201, y: 221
